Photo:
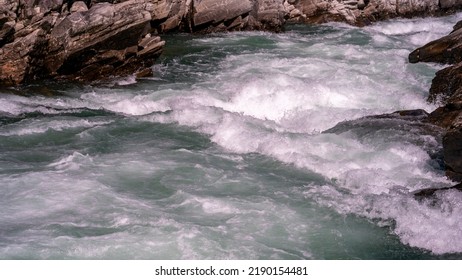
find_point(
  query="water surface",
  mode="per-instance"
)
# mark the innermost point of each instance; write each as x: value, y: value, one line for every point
x: 243, y: 146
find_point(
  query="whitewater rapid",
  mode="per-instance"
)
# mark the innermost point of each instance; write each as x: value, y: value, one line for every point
x: 243, y: 145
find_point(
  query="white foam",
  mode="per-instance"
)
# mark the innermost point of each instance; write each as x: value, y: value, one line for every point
x: 416, y: 31
x: 275, y: 103
x: 38, y: 127
x: 72, y: 162
x: 127, y: 103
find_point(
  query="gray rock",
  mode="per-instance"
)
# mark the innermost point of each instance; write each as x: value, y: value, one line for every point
x: 215, y: 11
x: 78, y: 6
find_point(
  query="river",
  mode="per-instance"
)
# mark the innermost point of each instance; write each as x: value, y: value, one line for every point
x: 246, y: 145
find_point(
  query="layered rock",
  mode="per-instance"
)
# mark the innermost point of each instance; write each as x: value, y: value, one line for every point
x: 66, y: 39
x: 361, y: 12
x: 446, y: 90
x: 94, y: 39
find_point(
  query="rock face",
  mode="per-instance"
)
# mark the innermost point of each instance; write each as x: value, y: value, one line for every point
x: 93, y: 39
x: 446, y: 90
x: 66, y: 39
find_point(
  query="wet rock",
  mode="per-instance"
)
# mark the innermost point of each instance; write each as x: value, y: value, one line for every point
x: 410, y: 126
x: 448, y: 116
x: 446, y: 90
x: 447, y: 85
x: 452, y: 143
x: 431, y: 192
x: 444, y: 50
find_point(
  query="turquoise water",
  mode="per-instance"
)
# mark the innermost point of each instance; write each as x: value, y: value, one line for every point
x: 238, y: 148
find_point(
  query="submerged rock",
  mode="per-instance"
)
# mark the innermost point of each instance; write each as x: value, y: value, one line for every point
x: 400, y: 126
x: 430, y: 193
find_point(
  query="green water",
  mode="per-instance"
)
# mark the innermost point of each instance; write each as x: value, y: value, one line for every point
x: 222, y: 154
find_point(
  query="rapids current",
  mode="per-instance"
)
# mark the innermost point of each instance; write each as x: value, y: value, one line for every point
x: 247, y: 145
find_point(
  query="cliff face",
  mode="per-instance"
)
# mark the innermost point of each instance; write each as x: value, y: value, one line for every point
x: 92, y: 39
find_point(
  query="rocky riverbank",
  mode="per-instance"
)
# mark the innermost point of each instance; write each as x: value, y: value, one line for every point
x: 446, y: 90
x: 93, y: 39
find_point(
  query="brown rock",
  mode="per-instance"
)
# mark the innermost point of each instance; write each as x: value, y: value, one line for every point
x: 452, y: 143
x: 446, y: 89
x: 447, y: 85
x: 444, y: 50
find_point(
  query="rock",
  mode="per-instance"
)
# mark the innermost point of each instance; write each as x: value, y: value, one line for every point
x: 214, y: 11
x: 446, y: 90
x: 444, y: 50
x: 398, y: 126
x: 448, y: 4
x: 448, y: 116
x: 91, y: 39
x: 78, y: 6
x: 6, y: 32
x: 360, y: 12
x: 19, y: 58
x: 447, y: 85
x: 452, y: 143
x: 271, y: 15
x: 431, y: 192
x: 105, y: 40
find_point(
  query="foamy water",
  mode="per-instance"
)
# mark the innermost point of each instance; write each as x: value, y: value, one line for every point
x: 244, y: 145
